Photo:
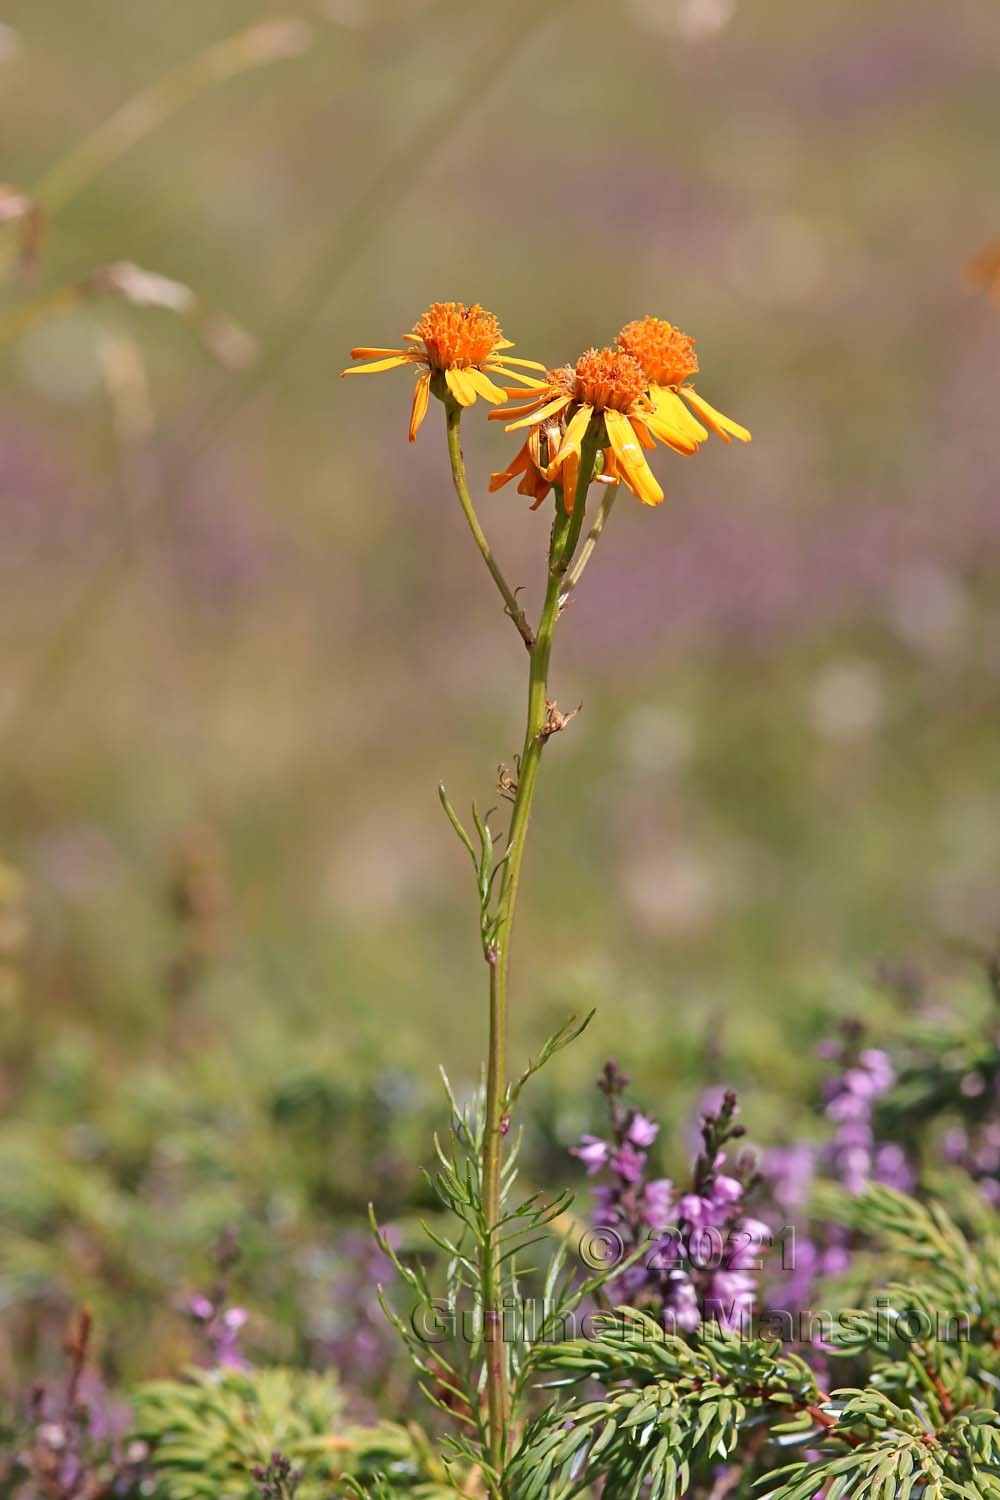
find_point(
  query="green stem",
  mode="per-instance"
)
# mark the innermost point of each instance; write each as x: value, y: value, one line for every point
x: 63, y: 299
x: 497, y: 1393
x: 454, y: 419
x: 565, y: 536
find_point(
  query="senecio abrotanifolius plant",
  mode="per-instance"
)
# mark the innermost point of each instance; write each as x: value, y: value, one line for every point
x: 618, y: 1380
x: 584, y: 424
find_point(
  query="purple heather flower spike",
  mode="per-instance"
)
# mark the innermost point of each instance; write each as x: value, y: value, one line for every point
x: 789, y: 1170
x: 848, y: 1106
x: 726, y: 1190
x: 680, y: 1306
x: 747, y: 1254
x: 892, y: 1167
x: 859, y: 1081
x: 593, y: 1152
x: 657, y: 1203
x: 877, y: 1064
x: 850, y: 1100
x: 628, y: 1163
x: 691, y: 1208
x: 652, y: 1214
x: 605, y: 1210
x: 834, y: 1260
x: 642, y: 1131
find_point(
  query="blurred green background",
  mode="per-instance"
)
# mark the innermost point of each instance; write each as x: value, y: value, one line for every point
x: 244, y: 632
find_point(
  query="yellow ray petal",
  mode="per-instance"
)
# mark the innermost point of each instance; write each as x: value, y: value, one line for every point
x: 380, y: 364
x: 678, y: 427
x: 534, y: 482
x: 679, y: 441
x: 559, y: 404
x: 630, y: 458
x: 513, y: 411
x: 534, y: 485
x: 528, y: 364
x: 421, y: 396
x: 363, y: 352
x: 518, y: 466
x: 719, y: 423
x: 484, y: 387
x: 461, y: 386
x: 529, y: 382
x: 641, y: 430
x: 495, y: 368
x: 569, y: 478
x: 574, y: 435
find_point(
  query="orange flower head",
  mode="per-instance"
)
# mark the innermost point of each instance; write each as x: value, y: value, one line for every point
x: 457, y: 337
x: 984, y: 271
x: 634, y: 390
x: 664, y: 352
x: 462, y: 345
x: 668, y: 358
x: 605, y: 387
x: 608, y: 378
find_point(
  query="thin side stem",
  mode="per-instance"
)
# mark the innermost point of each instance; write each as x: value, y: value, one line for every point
x: 454, y: 420
x: 63, y: 299
x: 564, y: 540
x: 593, y: 537
x: 145, y: 111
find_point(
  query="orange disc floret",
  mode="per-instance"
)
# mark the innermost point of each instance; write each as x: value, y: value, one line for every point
x: 457, y: 337
x: 562, y: 378
x: 664, y: 352
x: 608, y: 378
